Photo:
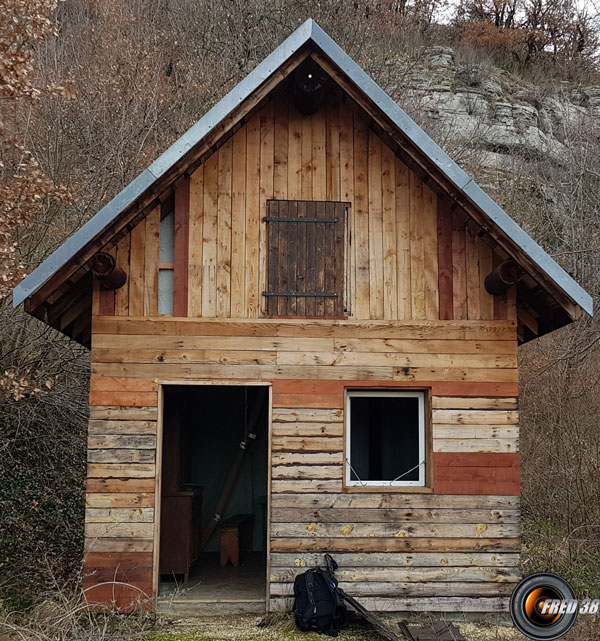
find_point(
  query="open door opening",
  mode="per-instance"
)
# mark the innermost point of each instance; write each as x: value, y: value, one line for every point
x: 214, y: 489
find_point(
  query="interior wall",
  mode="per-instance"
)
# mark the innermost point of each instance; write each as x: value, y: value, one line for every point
x: 215, y: 419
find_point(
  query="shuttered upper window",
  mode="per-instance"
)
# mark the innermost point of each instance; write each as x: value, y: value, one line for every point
x: 306, y: 241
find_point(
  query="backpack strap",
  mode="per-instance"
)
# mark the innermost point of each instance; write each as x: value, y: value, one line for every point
x: 332, y: 566
x: 311, y: 606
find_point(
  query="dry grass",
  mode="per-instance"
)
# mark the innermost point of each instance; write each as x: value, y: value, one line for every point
x: 67, y: 620
x: 280, y: 628
x: 64, y: 616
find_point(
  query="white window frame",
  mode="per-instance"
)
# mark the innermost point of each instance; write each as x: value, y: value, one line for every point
x: 350, y: 394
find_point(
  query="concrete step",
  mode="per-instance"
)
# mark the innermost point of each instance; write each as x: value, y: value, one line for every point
x: 208, y: 607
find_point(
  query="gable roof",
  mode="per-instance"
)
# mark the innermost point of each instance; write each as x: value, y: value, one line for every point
x: 311, y: 34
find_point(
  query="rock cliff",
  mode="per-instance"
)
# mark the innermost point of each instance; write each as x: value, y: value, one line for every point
x: 481, y: 107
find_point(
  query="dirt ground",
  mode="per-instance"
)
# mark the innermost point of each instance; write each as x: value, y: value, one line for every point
x: 282, y: 628
x: 249, y: 628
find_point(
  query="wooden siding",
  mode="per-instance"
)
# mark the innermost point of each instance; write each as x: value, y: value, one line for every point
x: 410, y: 255
x: 119, y: 516
x: 456, y: 548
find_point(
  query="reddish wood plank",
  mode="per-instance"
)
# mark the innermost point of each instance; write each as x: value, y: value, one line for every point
x: 459, y: 267
x: 445, y: 270
x: 122, y: 560
x: 479, y: 486
x: 120, y: 384
x: 476, y: 459
x: 107, y: 302
x: 110, y: 575
x: 312, y: 400
x: 180, y: 264
x: 501, y: 300
x: 109, y: 597
x: 126, y: 398
x: 476, y: 473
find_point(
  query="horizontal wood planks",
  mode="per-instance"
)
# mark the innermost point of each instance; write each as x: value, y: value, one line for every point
x: 119, y: 517
x: 461, y: 541
x: 451, y: 355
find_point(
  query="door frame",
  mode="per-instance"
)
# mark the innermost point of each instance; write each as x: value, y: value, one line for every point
x: 158, y: 469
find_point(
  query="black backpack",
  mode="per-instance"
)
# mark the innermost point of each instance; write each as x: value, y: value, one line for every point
x: 318, y: 605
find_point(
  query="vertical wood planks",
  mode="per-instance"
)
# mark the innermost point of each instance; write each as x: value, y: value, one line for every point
x: 338, y: 252
x: 224, y: 231
x: 294, y: 160
x: 445, y: 272
x: 347, y: 194
x: 407, y: 255
x: 238, y: 225
x: 280, y: 161
x: 209, y: 240
x: 501, y: 300
x: 281, y: 231
x: 307, y: 159
x: 107, y: 297
x: 430, y: 253
x: 511, y: 304
x: 319, y: 172
x: 459, y: 266
x: 295, y: 266
x: 320, y: 236
x: 402, y: 204
x: 106, y: 302
x: 181, y: 258
x: 151, y: 263
x: 375, y: 227
x: 417, y: 260
x: 137, y: 269
x: 390, y: 266
x: 361, y: 219
x: 122, y: 294
x: 485, y: 267
x: 273, y: 263
x: 267, y: 144
x: 301, y: 249
x: 332, y: 148
x: 472, y: 268
x: 196, y: 242
x: 253, y: 218
x: 311, y: 257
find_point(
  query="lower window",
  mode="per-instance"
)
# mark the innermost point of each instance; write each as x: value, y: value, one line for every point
x: 385, y: 439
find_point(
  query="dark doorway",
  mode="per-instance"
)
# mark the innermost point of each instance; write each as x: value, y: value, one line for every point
x: 213, y: 529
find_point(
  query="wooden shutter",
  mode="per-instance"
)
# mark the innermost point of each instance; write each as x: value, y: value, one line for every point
x: 306, y: 258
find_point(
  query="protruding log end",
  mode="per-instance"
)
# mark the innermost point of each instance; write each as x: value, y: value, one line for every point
x: 106, y: 270
x: 504, y: 276
x: 308, y: 85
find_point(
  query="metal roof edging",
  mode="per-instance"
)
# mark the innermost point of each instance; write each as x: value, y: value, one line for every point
x: 81, y: 237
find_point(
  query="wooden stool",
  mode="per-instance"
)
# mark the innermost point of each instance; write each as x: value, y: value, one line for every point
x: 236, y: 532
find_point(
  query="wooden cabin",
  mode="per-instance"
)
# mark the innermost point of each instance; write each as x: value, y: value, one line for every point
x: 303, y: 321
